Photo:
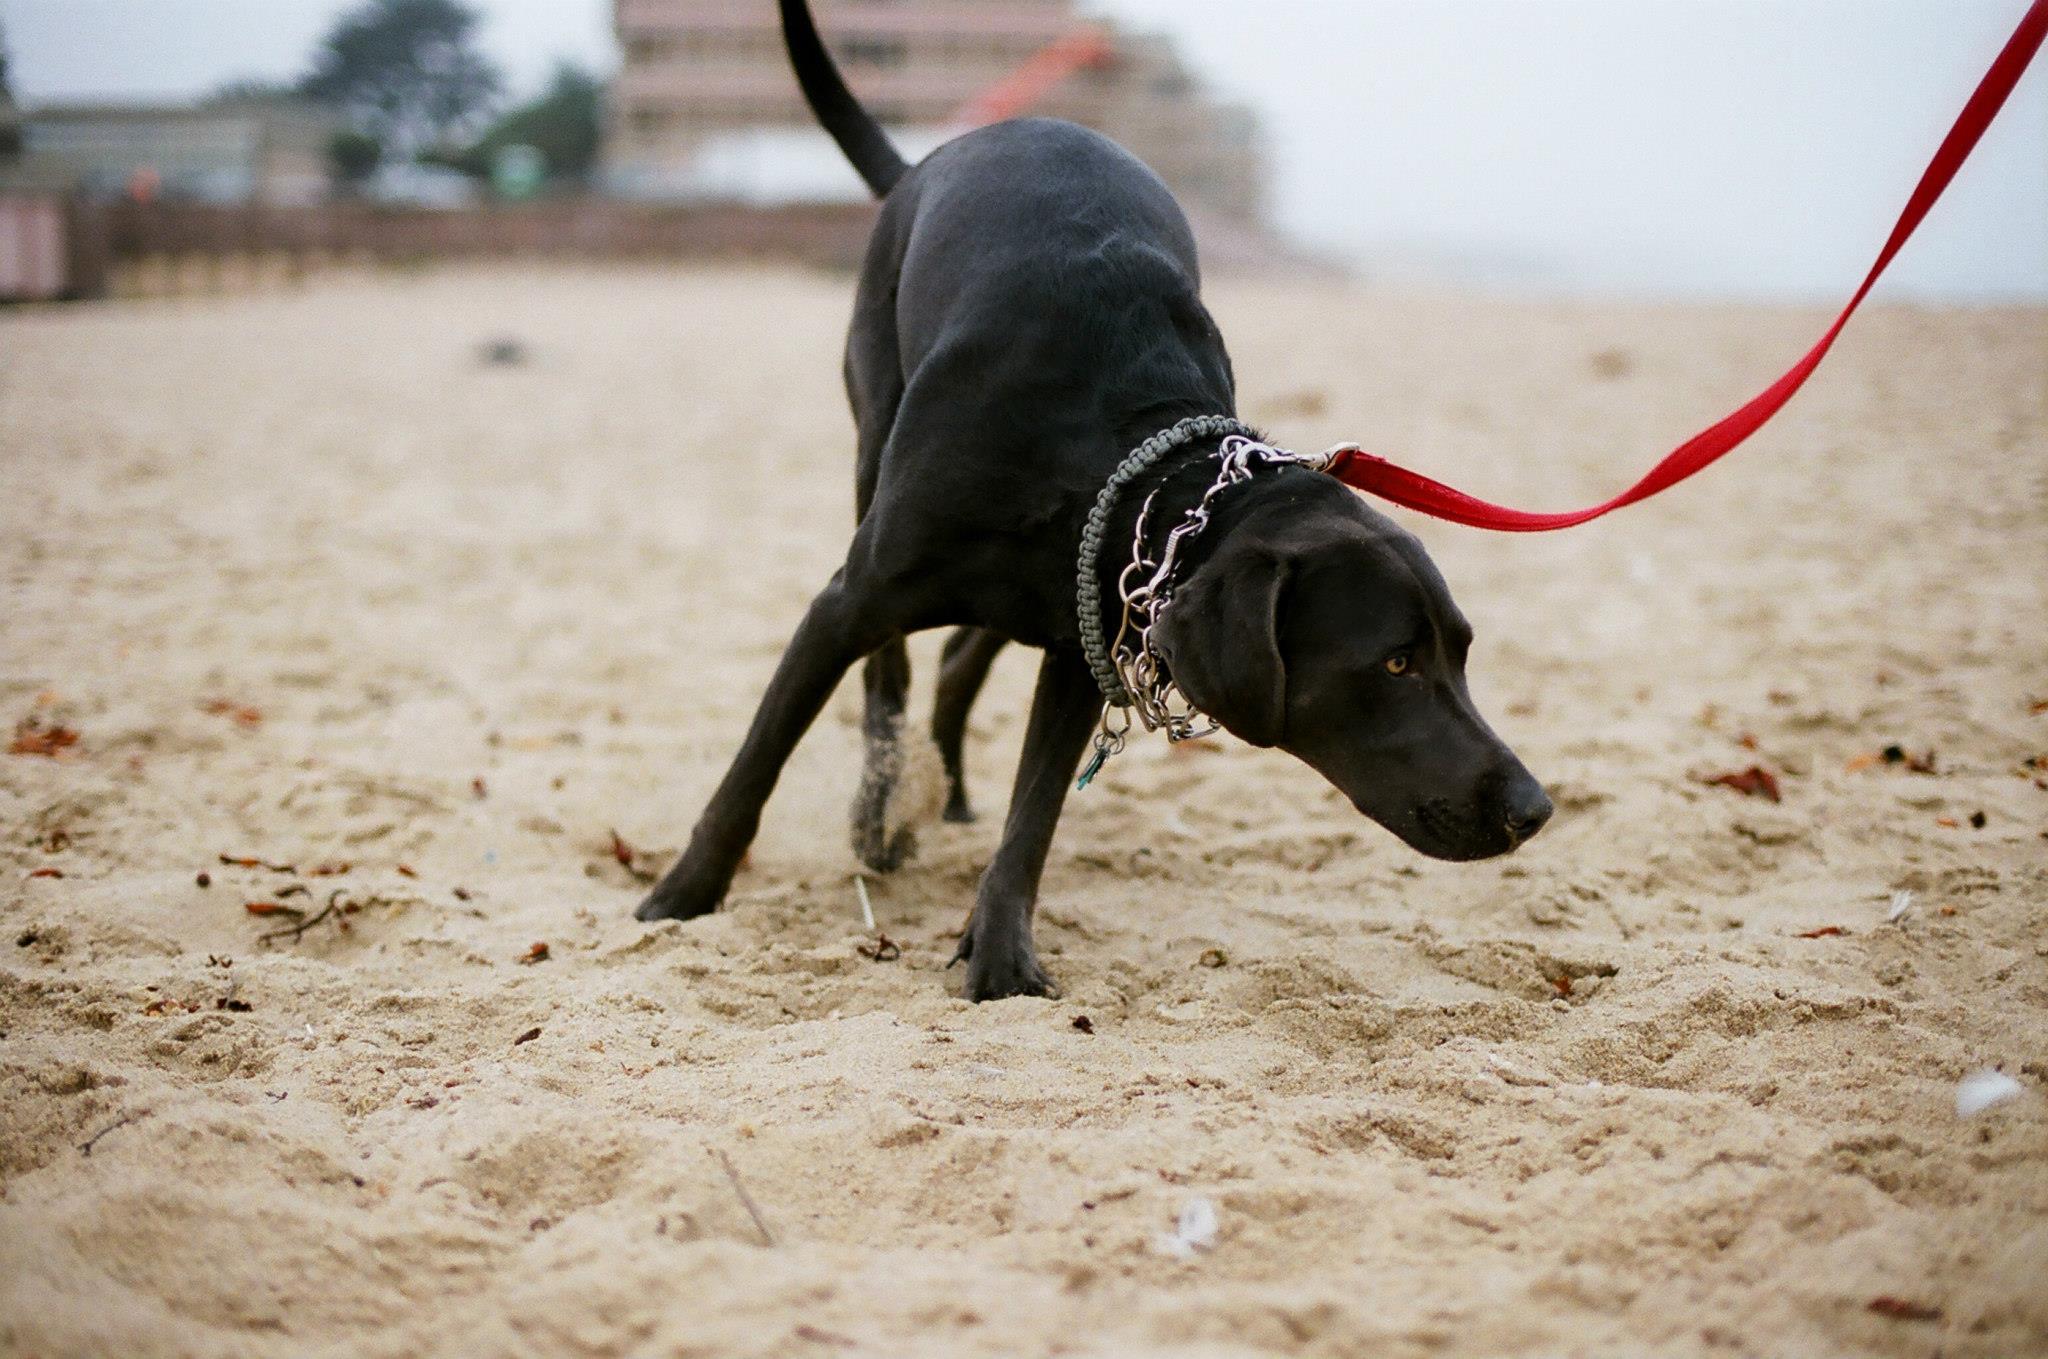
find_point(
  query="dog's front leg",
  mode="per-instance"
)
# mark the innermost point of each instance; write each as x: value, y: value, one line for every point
x: 837, y: 631
x: 997, y: 945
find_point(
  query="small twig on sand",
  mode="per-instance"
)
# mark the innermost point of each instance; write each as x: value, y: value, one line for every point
x: 297, y: 929
x: 85, y: 1147
x: 753, y: 1208
x: 251, y: 861
x: 338, y: 903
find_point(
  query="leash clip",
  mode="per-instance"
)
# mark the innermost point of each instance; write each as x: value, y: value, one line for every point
x: 1328, y: 459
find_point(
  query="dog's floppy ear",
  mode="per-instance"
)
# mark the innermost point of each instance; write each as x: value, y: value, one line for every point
x: 1220, y: 637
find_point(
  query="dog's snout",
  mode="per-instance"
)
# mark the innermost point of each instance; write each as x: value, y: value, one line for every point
x: 1527, y: 807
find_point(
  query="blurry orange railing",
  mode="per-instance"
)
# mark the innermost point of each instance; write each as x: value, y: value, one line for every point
x: 1021, y: 90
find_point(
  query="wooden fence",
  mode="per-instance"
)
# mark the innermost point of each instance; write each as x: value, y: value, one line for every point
x: 103, y: 235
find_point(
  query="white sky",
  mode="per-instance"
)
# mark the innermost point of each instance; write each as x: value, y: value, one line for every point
x: 1742, y: 147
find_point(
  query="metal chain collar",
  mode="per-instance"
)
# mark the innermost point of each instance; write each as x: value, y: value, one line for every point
x: 1145, y: 587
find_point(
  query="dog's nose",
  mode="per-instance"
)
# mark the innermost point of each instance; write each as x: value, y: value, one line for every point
x: 1528, y: 808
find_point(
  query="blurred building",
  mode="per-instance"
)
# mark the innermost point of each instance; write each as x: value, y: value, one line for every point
x: 266, y: 150
x: 705, y: 104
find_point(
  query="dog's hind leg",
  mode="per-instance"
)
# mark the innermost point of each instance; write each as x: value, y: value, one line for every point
x: 963, y: 668
x: 874, y: 388
x: 839, y: 628
x: 887, y: 679
x: 997, y: 948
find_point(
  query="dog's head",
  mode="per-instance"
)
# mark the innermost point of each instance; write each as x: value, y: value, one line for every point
x: 1319, y: 626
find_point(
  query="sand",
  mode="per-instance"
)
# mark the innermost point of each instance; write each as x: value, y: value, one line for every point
x: 1666, y: 1082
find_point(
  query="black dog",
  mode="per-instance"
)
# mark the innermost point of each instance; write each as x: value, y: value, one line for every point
x: 1028, y: 312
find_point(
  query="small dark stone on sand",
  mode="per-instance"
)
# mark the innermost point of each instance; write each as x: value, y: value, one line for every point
x: 503, y: 351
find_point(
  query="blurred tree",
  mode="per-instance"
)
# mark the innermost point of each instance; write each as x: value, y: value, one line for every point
x: 10, y: 121
x: 354, y: 156
x: 406, y: 72
x: 565, y: 125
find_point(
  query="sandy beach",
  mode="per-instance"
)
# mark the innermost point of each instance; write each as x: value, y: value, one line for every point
x: 459, y: 648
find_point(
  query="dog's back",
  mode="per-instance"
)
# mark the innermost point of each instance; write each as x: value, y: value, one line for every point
x: 1053, y: 244
x: 1043, y: 217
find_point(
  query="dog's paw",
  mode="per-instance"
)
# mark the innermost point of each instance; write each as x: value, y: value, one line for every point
x: 880, y: 851
x: 998, y: 973
x: 677, y: 900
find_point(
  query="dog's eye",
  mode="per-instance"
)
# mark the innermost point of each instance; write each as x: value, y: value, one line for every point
x: 1397, y: 664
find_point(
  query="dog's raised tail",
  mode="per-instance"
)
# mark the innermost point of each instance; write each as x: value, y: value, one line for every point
x: 852, y: 126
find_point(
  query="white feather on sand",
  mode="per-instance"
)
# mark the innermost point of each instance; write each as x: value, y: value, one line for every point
x: 1195, y: 1231
x: 1980, y: 1090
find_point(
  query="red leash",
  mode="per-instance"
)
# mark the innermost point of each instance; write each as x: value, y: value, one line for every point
x: 1377, y: 476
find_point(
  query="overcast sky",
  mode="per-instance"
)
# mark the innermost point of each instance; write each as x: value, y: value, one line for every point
x: 1746, y: 147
